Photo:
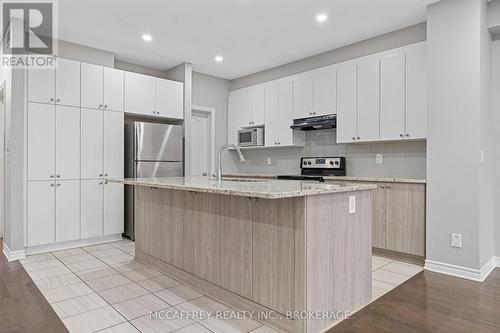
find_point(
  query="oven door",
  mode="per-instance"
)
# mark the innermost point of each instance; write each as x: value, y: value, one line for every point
x: 246, y: 138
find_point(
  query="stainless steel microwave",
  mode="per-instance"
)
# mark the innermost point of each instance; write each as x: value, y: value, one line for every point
x: 249, y: 137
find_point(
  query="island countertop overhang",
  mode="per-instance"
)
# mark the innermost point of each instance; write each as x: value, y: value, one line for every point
x: 258, y: 188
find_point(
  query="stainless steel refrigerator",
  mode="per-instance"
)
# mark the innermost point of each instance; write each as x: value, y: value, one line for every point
x: 151, y: 150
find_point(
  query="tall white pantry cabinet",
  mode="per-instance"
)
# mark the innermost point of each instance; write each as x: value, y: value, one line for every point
x: 75, y: 138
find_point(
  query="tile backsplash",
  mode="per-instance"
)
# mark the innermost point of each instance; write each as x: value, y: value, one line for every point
x: 400, y: 159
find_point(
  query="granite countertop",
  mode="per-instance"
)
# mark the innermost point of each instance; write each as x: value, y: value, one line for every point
x: 341, y: 178
x: 253, y: 188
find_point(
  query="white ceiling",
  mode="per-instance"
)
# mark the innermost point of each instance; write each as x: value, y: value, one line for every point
x: 252, y: 35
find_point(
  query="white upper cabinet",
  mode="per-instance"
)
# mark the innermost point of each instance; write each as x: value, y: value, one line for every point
x: 41, y: 141
x: 67, y: 211
x: 303, y: 96
x: 67, y: 142
x: 325, y: 91
x: 240, y: 105
x: 113, y: 144
x: 91, y: 146
x: 67, y: 82
x: 41, y: 85
x: 368, y: 100
x: 41, y: 213
x: 347, y: 103
x: 392, y: 96
x: 272, y: 119
x: 140, y: 94
x: 258, y: 101
x: 416, y: 93
x: 113, y: 89
x: 92, y: 86
x: 169, y: 99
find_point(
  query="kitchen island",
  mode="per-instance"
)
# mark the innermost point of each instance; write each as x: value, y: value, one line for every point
x: 296, y: 252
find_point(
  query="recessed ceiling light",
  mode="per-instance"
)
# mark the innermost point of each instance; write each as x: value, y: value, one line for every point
x: 147, y: 37
x: 321, y: 18
x: 219, y: 58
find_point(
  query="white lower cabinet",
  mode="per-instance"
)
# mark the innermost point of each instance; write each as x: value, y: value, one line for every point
x: 41, y: 213
x: 91, y: 208
x: 67, y: 217
x: 102, y: 208
x: 113, y: 215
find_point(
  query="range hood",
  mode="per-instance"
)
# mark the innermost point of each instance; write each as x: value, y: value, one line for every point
x: 315, y: 123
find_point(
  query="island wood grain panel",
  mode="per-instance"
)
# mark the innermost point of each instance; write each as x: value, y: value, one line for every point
x: 300, y: 274
x: 273, y: 253
x: 148, y: 231
x: 339, y: 248
x: 206, y: 236
x: 378, y: 203
x: 405, y: 218
x: 235, y: 218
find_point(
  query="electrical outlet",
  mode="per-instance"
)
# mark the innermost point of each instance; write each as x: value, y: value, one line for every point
x: 379, y: 158
x: 269, y: 161
x: 352, y: 204
x: 456, y: 240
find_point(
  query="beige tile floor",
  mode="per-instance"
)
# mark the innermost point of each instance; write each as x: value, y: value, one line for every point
x: 101, y: 288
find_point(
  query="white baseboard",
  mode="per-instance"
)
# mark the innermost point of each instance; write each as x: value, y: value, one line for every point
x: 478, y: 275
x: 72, y: 244
x: 13, y: 255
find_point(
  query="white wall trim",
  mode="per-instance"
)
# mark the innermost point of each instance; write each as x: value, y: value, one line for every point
x: 210, y: 111
x: 13, y: 255
x: 72, y: 244
x: 478, y: 275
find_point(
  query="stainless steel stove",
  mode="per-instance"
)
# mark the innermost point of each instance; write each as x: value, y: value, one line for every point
x: 314, y: 168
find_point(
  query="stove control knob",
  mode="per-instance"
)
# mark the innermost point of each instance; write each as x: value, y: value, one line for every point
x: 309, y: 163
x: 305, y: 163
x: 336, y: 162
x: 331, y: 162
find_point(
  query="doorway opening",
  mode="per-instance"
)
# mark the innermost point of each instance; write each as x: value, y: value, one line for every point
x: 202, y: 141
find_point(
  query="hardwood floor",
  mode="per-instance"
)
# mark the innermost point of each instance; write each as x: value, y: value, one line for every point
x: 23, y: 308
x: 431, y: 302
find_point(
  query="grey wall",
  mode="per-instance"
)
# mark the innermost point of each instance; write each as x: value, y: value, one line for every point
x: 126, y: 66
x: 495, y: 131
x: 456, y: 77
x: 85, y: 54
x: 213, y: 92
x: 410, y: 35
x: 184, y: 73
x: 405, y: 160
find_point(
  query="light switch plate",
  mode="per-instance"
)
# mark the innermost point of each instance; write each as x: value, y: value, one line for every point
x: 352, y: 204
x: 456, y: 240
x: 379, y: 158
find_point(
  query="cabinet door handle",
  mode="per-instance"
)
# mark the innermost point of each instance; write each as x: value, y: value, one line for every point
x: 388, y: 186
x: 401, y: 135
x: 58, y: 184
x: 105, y: 106
x: 407, y: 135
x: 58, y: 100
x: 100, y: 106
x: 52, y: 185
x: 58, y: 176
x: 100, y: 175
x: 358, y: 138
x: 353, y: 138
x: 52, y: 99
x: 105, y: 175
x: 51, y: 176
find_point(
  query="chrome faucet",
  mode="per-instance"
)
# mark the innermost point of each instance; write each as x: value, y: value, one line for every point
x: 218, y: 174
